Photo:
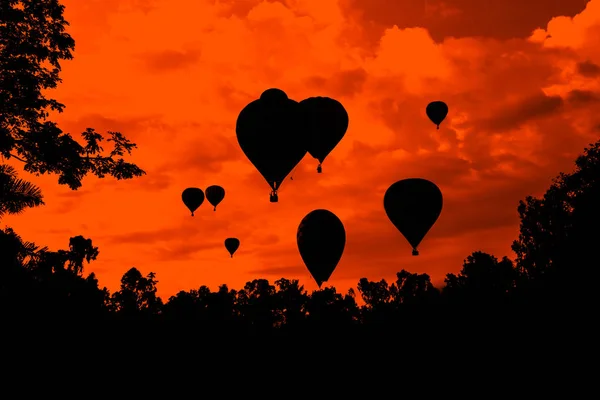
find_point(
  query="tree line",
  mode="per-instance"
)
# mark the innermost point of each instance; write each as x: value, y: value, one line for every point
x: 554, y: 271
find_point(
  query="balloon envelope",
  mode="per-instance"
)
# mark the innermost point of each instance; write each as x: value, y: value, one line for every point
x: 325, y: 122
x: 192, y: 198
x: 321, y: 239
x: 269, y: 133
x: 413, y: 205
x: 437, y: 112
x: 232, y: 244
x: 214, y: 194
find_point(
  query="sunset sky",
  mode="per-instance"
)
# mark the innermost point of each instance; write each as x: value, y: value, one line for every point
x: 521, y: 79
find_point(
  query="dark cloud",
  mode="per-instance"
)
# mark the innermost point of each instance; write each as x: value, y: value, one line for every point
x: 281, y: 272
x: 511, y: 116
x: 266, y: 239
x: 499, y: 19
x: 588, y: 69
x: 154, y: 180
x: 184, y: 250
x: 145, y: 236
x: 237, y: 8
x: 206, y: 153
x: 344, y: 83
x: 169, y: 60
x: 132, y: 127
x: 66, y: 200
x: 72, y: 194
x: 185, y: 239
x: 583, y: 97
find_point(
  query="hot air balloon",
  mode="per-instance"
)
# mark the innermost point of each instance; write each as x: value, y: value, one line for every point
x: 413, y: 205
x: 232, y: 244
x: 321, y: 239
x: 268, y: 132
x: 192, y: 198
x: 214, y: 195
x: 325, y: 122
x: 437, y: 112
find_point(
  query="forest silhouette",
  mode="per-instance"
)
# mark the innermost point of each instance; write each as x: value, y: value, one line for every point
x: 554, y: 272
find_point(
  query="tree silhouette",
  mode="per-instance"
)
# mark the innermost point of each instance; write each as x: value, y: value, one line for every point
x: 34, y: 280
x: 483, y: 280
x: 257, y: 305
x: 16, y: 194
x: 48, y: 284
x: 413, y: 289
x: 33, y: 44
x: 137, y: 296
x: 291, y: 302
x: 559, y: 233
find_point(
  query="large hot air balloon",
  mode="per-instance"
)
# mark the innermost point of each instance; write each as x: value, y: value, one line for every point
x: 192, y: 198
x: 437, y: 112
x: 325, y: 122
x: 215, y: 194
x: 321, y: 239
x: 232, y: 244
x: 269, y: 133
x: 413, y: 205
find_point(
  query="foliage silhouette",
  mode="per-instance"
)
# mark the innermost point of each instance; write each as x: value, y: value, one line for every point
x: 16, y: 194
x: 33, y: 42
x: 34, y: 281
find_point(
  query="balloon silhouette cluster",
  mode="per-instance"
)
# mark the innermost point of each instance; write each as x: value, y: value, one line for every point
x: 275, y: 133
x: 193, y: 198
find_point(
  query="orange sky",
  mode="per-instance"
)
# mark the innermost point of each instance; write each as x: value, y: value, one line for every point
x: 172, y: 75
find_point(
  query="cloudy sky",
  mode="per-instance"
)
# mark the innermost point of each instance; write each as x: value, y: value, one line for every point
x: 520, y: 78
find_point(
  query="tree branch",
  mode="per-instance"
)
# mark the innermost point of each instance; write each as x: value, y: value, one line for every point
x: 18, y: 158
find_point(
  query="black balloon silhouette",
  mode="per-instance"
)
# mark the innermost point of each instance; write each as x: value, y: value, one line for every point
x: 215, y: 195
x: 325, y: 122
x: 413, y: 205
x: 437, y: 112
x: 232, y: 244
x: 192, y: 198
x: 321, y: 239
x: 269, y: 133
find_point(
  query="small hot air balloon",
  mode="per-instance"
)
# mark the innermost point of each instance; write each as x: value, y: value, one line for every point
x: 325, y: 122
x: 192, y: 198
x: 269, y: 133
x: 214, y: 195
x: 232, y: 244
x: 437, y: 112
x: 413, y: 205
x: 321, y: 239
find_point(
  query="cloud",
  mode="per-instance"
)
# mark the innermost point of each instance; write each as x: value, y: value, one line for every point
x: 588, y: 69
x: 183, y: 250
x: 132, y: 126
x: 583, y: 97
x: 170, y: 60
x: 346, y: 83
x: 205, y: 152
x: 281, y: 272
x: 520, y: 111
x: 459, y: 18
